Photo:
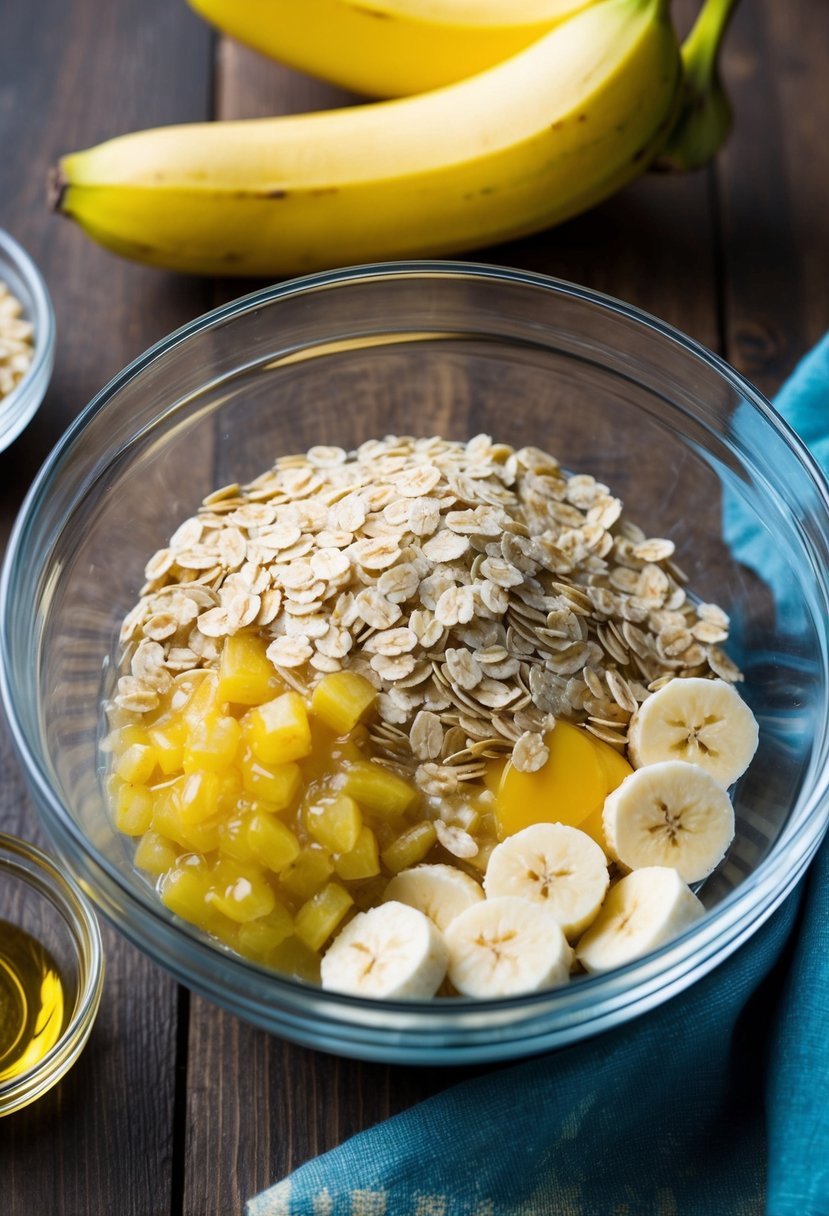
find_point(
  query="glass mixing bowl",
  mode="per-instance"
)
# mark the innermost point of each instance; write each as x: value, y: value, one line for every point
x: 427, y: 348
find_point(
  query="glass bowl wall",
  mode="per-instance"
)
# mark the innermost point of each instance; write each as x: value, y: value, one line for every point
x: 426, y: 349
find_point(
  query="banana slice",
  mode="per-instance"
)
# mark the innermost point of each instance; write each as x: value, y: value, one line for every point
x: 705, y: 722
x: 670, y: 814
x: 554, y: 865
x: 441, y: 892
x: 391, y: 951
x: 506, y: 946
x: 643, y: 911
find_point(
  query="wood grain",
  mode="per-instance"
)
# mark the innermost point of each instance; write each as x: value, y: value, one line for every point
x: 71, y: 75
x: 774, y: 184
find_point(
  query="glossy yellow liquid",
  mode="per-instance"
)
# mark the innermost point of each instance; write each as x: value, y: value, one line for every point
x: 31, y: 1001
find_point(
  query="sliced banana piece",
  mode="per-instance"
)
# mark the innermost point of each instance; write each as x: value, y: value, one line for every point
x: 506, y: 946
x: 555, y: 865
x: 391, y: 951
x: 643, y: 911
x: 670, y: 814
x: 704, y: 722
x: 441, y: 892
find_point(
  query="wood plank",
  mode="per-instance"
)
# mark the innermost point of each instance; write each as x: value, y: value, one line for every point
x: 774, y: 188
x: 72, y: 75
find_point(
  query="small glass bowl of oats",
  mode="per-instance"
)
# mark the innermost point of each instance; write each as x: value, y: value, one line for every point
x: 295, y: 548
x: 27, y: 338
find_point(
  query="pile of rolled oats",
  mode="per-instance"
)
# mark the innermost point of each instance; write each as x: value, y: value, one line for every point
x: 484, y: 591
x: 16, y: 341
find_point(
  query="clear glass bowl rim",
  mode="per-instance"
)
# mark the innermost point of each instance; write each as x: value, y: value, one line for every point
x: 19, y: 406
x: 433, y: 1031
x: 72, y: 905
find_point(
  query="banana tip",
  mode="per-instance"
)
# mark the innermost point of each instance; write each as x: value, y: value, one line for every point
x: 56, y: 188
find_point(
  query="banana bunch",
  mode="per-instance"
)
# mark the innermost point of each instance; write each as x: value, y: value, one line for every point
x: 587, y: 96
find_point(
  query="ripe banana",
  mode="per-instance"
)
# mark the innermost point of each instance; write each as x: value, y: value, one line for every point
x: 705, y: 117
x: 506, y: 946
x: 515, y: 149
x: 391, y: 951
x: 440, y: 892
x: 642, y: 912
x: 669, y: 814
x: 704, y: 722
x: 387, y: 48
x: 554, y: 865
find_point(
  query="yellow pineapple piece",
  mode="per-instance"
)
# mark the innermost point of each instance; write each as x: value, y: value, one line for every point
x: 259, y: 938
x: 362, y: 861
x: 272, y: 843
x: 410, y: 847
x: 239, y: 891
x: 136, y: 764
x: 202, y: 701
x: 278, y: 731
x: 317, y: 919
x: 189, y: 831
x: 335, y: 821
x: 198, y: 796
x: 212, y: 744
x: 294, y: 958
x: 230, y: 791
x: 246, y: 674
x: 184, y: 891
x: 167, y: 741
x: 125, y: 736
x: 278, y: 784
x: 133, y: 809
x: 233, y: 838
x: 304, y: 876
x: 155, y: 854
x: 342, y: 699
x: 377, y: 789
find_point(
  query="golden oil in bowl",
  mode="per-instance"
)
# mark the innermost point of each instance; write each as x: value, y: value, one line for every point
x: 51, y: 972
x: 32, y: 1001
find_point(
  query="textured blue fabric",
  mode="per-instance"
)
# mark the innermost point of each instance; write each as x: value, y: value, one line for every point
x: 715, y: 1104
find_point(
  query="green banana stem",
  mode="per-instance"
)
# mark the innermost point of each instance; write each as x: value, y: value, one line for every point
x: 705, y: 117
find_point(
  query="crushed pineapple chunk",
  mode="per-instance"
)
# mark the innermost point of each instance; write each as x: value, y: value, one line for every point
x: 335, y: 821
x: 258, y: 938
x: 167, y: 741
x: 311, y: 869
x: 363, y: 861
x: 410, y: 847
x: 135, y: 764
x: 211, y: 744
x: 269, y: 840
x: 342, y: 699
x: 246, y: 675
x: 133, y: 809
x: 241, y: 892
x: 155, y: 853
x: 278, y: 731
x: 378, y: 790
x: 317, y: 919
x: 278, y: 784
x: 184, y: 891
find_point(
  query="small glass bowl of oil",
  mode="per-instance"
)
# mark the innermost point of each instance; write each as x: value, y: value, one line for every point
x: 51, y: 973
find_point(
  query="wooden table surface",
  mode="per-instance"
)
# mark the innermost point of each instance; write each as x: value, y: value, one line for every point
x: 175, y: 1107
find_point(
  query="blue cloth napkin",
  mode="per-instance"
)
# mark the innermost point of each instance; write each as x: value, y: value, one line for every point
x: 715, y: 1104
